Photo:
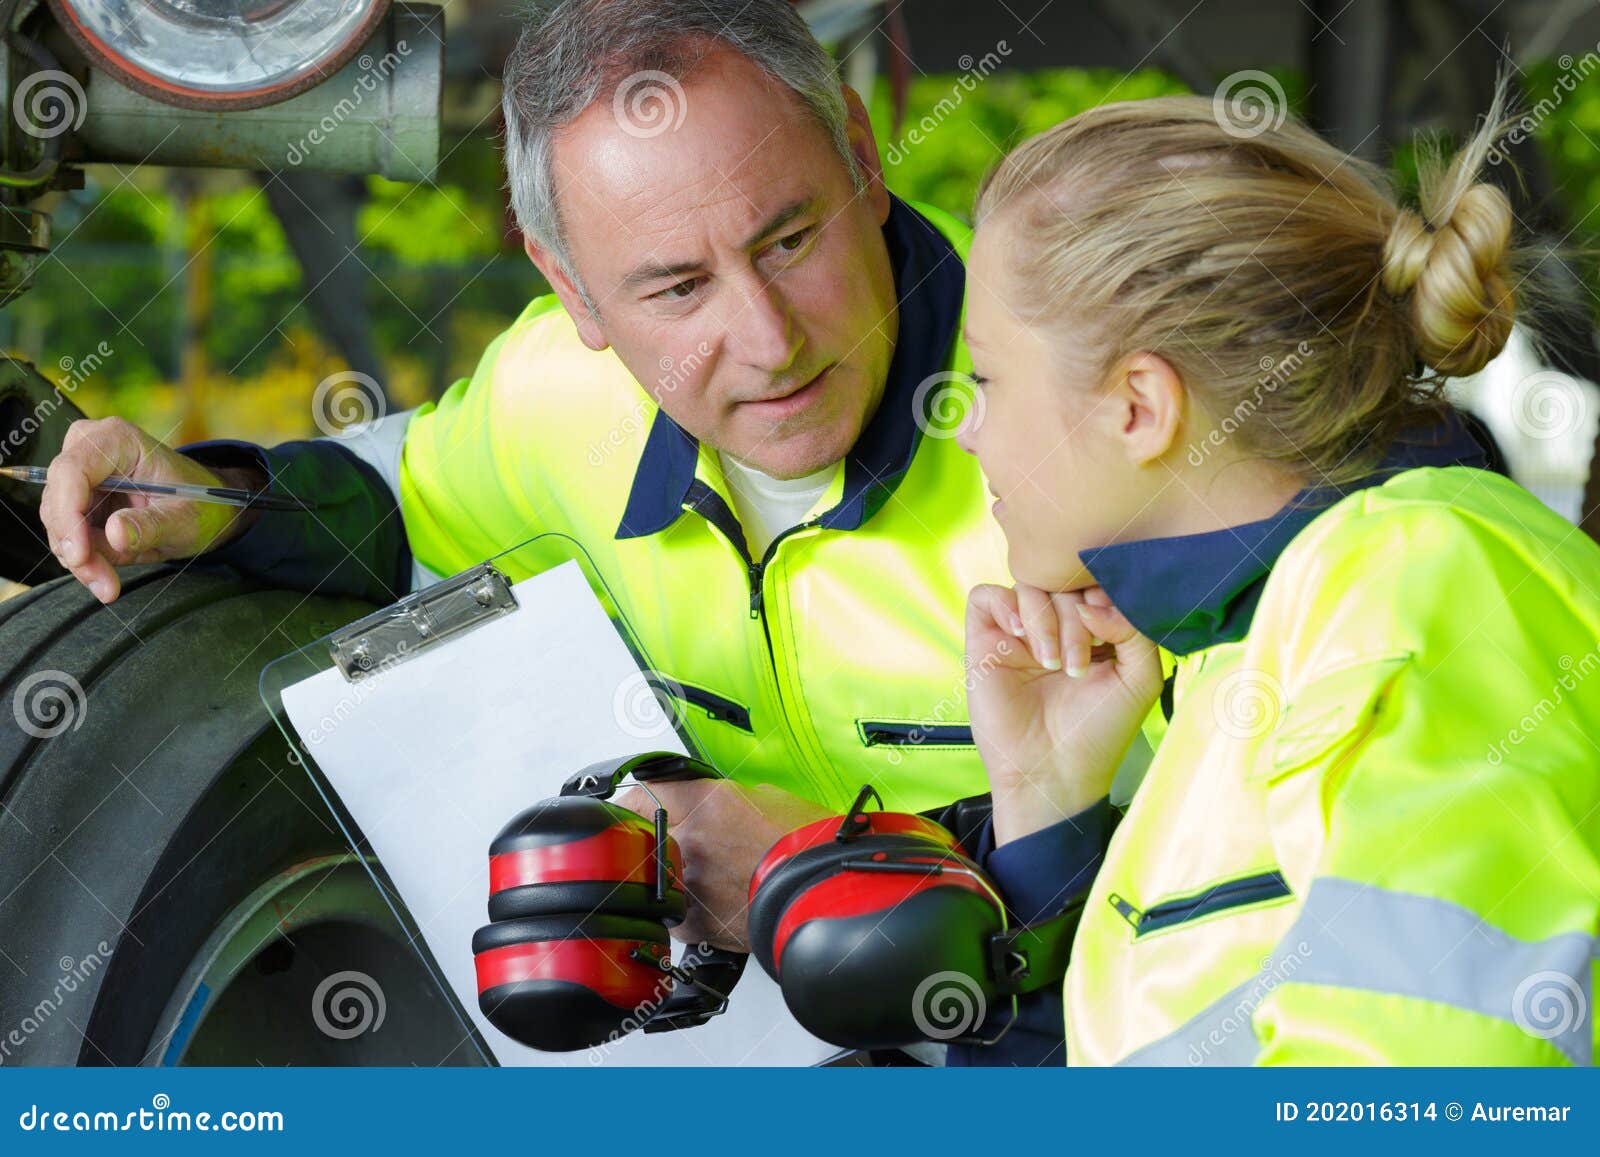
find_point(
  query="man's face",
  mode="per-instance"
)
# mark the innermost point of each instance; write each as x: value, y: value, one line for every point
x: 733, y: 267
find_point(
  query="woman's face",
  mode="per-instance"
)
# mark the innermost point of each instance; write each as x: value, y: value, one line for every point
x: 1053, y: 440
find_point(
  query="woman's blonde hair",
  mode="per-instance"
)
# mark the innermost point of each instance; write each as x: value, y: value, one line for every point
x: 1277, y: 274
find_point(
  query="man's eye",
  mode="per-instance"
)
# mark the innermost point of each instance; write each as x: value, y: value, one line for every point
x: 681, y: 291
x: 794, y: 242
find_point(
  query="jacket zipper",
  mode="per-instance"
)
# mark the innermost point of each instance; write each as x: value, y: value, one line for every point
x: 721, y: 709
x: 1220, y: 898
x: 707, y: 503
x: 914, y: 734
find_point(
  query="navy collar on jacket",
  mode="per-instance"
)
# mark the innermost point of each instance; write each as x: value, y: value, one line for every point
x: 1196, y: 590
x: 930, y: 282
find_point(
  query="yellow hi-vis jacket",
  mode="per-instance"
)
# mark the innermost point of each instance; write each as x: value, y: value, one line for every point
x: 834, y: 661
x: 1371, y: 832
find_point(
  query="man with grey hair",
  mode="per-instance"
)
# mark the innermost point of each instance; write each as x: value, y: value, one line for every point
x: 732, y: 401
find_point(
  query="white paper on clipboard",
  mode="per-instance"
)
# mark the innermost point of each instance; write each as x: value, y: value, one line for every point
x: 434, y: 756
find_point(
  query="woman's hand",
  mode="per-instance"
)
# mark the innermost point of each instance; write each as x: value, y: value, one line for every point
x: 1052, y: 715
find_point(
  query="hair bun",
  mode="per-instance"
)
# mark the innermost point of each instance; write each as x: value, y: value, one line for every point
x: 1455, y: 271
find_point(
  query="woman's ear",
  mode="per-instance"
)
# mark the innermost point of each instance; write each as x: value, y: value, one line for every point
x: 1149, y: 397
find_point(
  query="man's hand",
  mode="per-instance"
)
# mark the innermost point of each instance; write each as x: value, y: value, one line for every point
x: 723, y: 829
x: 93, y: 534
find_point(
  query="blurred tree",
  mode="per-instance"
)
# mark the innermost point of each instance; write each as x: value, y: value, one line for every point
x: 958, y: 127
x: 446, y: 275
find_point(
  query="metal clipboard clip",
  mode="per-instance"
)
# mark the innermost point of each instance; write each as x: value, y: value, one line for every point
x: 421, y: 620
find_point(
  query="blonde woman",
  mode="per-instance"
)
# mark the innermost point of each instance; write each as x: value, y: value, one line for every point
x: 1209, y: 370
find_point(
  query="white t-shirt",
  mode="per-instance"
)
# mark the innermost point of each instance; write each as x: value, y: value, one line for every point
x: 768, y: 506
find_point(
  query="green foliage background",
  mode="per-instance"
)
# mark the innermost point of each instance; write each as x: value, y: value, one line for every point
x: 448, y: 274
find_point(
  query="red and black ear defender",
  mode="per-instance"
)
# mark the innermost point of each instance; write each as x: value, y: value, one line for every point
x: 882, y: 932
x: 581, y: 894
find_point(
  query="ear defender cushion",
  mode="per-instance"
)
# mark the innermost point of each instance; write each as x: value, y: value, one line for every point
x: 601, y: 897
x: 812, y: 852
x: 786, y: 881
x: 578, y: 854
x: 559, y: 983
x: 882, y: 959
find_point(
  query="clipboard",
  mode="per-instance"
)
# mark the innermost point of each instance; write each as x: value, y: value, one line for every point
x: 476, y: 747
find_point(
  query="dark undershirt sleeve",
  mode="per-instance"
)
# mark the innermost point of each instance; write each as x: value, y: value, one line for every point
x: 1037, y: 876
x: 352, y: 544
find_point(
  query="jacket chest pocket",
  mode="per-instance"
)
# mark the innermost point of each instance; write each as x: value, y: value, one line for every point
x: 717, y: 707
x: 1330, y: 716
x: 911, y: 733
x: 1257, y: 889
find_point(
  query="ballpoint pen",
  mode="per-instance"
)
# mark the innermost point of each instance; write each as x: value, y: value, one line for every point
x: 229, y: 495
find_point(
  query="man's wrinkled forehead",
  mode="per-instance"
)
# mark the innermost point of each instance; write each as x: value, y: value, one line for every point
x: 736, y: 148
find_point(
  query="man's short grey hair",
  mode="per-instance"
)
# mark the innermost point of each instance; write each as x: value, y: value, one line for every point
x: 573, y: 52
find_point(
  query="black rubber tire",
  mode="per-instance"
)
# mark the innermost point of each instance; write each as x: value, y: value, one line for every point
x: 169, y: 799
x: 34, y: 417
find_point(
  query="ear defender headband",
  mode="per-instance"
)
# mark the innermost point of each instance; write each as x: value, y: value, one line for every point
x: 882, y: 932
x: 581, y: 894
